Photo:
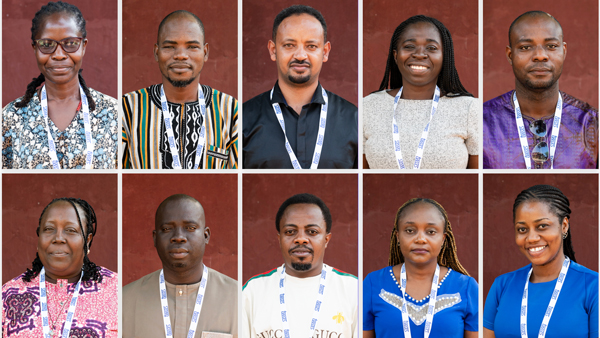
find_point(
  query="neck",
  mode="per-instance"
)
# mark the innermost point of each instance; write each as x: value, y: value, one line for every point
x: 191, y: 276
x: 185, y: 94
x: 549, y: 271
x: 410, y: 92
x: 52, y: 279
x: 315, y: 270
x: 421, y: 272
x: 62, y: 92
x: 297, y: 96
x: 537, y: 104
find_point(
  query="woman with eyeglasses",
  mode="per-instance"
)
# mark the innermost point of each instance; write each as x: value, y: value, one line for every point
x: 553, y: 296
x: 425, y: 291
x: 422, y: 117
x: 60, y: 123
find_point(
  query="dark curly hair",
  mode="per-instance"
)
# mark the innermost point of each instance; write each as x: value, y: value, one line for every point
x: 36, y: 25
x: 90, y: 270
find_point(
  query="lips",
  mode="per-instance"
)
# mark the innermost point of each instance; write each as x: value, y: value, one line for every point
x: 178, y: 253
x: 420, y: 251
x: 180, y: 67
x: 301, y: 251
x: 59, y: 254
x: 59, y: 69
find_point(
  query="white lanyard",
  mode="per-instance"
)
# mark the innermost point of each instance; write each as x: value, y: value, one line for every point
x: 432, y: 300
x: 195, y: 316
x: 89, y: 145
x: 559, y: 284
x: 321, y: 135
x: 169, y: 127
x: 523, y: 135
x: 313, y: 322
x: 44, y: 305
x: 424, y: 135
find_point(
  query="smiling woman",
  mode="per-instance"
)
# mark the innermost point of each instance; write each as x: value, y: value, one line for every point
x: 64, y: 124
x: 63, y: 290
x: 399, y: 118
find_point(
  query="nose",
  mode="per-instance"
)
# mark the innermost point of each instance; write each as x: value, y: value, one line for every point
x: 301, y: 238
x: 59, y: 53
x: 178, y: 235
x: 540, y: 54
x: 59, y: 237
x: 420, y: 237
x: 420, y: 53
x: 180, y: 54
x: 300, y: 53
x: 533, y: 237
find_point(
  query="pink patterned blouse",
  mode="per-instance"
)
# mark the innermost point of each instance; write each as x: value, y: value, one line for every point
x: 95, y: 314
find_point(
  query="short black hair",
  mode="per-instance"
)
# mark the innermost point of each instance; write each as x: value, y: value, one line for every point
x: 297, y: 10
x: 530, y: 14
x: 180, y: 12
x: 305, y: 199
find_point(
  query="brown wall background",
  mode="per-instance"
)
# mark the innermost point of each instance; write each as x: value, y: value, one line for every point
x: 382, y: 198
x: 339, y: 75
x: 579, y: 21
x: 381, y: 17
x: 501, y: 255
x: 142, y: 194
x: 19, y: 66
x: 264, y: 193
x: 140, y: 27
x: 24, y: 196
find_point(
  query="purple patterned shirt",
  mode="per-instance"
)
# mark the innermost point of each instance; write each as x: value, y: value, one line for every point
x: 577, y: 146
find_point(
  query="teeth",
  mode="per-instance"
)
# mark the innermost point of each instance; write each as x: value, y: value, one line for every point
x: 418, y: 67
x: 539, y: 248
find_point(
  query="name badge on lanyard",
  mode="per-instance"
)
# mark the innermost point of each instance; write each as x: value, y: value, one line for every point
x: 431, y: 307
x: 89, y: 145
x: 320, y: 293
x: 167, y: 117
x: 44, y: 308
x: 197, y: 307
x: 320, y: 136
x: 523, y: 134
x: 559, y: 284
x: 424, y: 135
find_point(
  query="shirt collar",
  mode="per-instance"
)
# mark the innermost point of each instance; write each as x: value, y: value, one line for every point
x: 279, y: 98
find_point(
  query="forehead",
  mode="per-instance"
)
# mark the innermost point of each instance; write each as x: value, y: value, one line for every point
x: 422, y: 29
x: 422, y: 212
x: 181, y: 27
x: 303, y: 215
x: 536, y: 27
x: 535, y: 209
x: 180, y: 210
x: 300, y: 27
x: 63, y: 209
x: 58, y: 22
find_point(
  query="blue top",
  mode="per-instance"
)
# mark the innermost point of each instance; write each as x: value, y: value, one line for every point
x: 455, y: 309
x: 575, y: 314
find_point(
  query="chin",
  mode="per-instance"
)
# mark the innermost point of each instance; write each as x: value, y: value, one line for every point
x: 299, y: 266
x: 299, y: 79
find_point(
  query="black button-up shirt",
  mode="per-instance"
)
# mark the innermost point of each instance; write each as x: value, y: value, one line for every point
x: 264, y: 141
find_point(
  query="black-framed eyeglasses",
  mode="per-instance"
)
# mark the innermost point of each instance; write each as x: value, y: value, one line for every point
x: 540, y: 152
x: 48, y: 46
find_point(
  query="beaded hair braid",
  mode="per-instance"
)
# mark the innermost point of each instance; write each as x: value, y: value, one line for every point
x: 447, y: 256
x: 36, y: 25
x: 448, y: 80
x: 90, y: 270
x: 558, y: 204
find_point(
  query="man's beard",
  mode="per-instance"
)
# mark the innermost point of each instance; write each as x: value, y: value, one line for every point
x: 180, y: 83
x: 299, y: 79
x: 301, y: 266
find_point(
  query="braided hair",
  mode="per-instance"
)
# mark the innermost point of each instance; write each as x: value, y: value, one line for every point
x: 448, y: 80
x: 447, y: 256
x: 36, y: 25
x: 558, y: 204
x: 90, y: 270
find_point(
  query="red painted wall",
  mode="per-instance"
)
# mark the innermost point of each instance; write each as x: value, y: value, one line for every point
x: 24, y: 196
x: 264, y: 194
x: 501, y: 255
x: 381, y: 17
x: 142, y: 194
x: 580, y: 27
x: 140, y: 28
x: 383, y: 194
x: 339, y: 75
x: 18, y: 60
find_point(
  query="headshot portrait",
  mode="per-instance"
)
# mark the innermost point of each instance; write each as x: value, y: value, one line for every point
x: 300, y: 101
x: 540, y: 255
x: 59, y: 260
x: 184, y: 59
x: 300, y: 247
x: 56, y: 116
x: 420, y: 107
x: 543, y: 114
x: 414, y: 239
x: 180, y: 259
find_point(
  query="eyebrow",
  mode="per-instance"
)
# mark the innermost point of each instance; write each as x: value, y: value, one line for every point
x: 535, y: 221
x: 415, y: 40
x: 296, y: 226
x: 413, y: 223
x: 175, y: 42
x: 531, y: 40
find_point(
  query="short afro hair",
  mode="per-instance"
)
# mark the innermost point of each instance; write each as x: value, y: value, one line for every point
x: 305, y: 199
x: 297, y: 10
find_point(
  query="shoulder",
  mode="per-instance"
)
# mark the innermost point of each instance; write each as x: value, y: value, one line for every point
x: 344, y: 280
x: 583, y: 272
x: 257, y: 101
x: 108, y: 275
x: 218, y: 94
x: 465, y: 282
x: 10, y: 111
x: 460, y: 102
x: 222, y: 280
x: 100, y: 98
x: 377, y: 277
x: 136, y: 95
x: 506, y: 280
x: 16, y: 283
x: 498, y: 103
x: 578, y: 106
x: 377, y: 97
x: 132, y: 289
x: 262, y: 278
x: 343, y: 105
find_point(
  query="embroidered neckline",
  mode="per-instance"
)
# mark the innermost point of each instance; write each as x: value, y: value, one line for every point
x: 407, y: 295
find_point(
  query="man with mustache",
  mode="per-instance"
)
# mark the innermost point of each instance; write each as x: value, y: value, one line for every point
x: 304, y: 297
x: 536, y: 125
x: 185, y: 298
x: 180, y: 124
x: 298, y: 124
